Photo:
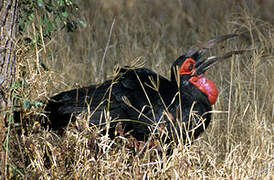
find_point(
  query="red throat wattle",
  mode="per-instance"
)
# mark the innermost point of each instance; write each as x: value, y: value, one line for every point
x: 206, y: 86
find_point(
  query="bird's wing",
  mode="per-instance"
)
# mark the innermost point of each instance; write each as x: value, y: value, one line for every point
x: 77, y: 100
x: 143, y: 91
x: 61, y: 107
x: 132, y: 94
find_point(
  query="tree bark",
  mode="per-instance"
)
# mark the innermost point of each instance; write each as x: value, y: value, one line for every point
x: 8, y: 27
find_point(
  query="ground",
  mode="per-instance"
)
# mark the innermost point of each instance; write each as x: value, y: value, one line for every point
x: 237, y: 145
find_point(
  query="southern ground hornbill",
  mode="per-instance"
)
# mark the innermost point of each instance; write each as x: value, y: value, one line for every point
x: 146, y: 102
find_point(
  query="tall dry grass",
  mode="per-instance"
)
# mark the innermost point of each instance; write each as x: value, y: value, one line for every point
x: 237, y: 145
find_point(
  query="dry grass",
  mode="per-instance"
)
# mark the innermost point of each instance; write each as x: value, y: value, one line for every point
x: 237, y: 145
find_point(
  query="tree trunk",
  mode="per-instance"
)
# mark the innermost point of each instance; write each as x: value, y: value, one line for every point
x: 8, y: 27
x: 8, y: 18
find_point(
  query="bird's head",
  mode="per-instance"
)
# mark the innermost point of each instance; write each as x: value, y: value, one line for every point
x: 191, y: 67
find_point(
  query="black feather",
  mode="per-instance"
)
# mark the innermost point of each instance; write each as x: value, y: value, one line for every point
x: 138, y: 96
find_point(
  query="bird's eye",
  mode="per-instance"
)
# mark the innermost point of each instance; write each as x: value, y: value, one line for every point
x: 190, y: 66
x: 187, y: 66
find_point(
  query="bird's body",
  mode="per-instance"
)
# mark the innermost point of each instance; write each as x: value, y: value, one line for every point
x: 137, y: 97
x: 142, y: 99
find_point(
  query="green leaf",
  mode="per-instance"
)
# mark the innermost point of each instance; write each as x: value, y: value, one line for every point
x: 50, y: 26
x: 27, y: 104
x: 40, y: 3
x: 58, y: 20
x: 83, y: 23
x: 65, y: 14
x: 15, y: 84
x: 52, y: 15
x: 60, y: 2
x: 26, y: 85
x: 41, y: 22
x: 30, y: 17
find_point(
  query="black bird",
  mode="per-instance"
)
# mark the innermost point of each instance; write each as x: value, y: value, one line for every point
x: 143, y: 101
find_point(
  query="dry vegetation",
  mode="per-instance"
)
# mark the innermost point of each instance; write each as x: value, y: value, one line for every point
x: 237, y: 145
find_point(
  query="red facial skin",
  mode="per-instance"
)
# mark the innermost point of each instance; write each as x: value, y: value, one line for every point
x: 201, y: 82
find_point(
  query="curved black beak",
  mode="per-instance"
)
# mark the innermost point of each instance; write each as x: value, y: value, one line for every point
x: 198, y: 51
x: 204, y: 65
